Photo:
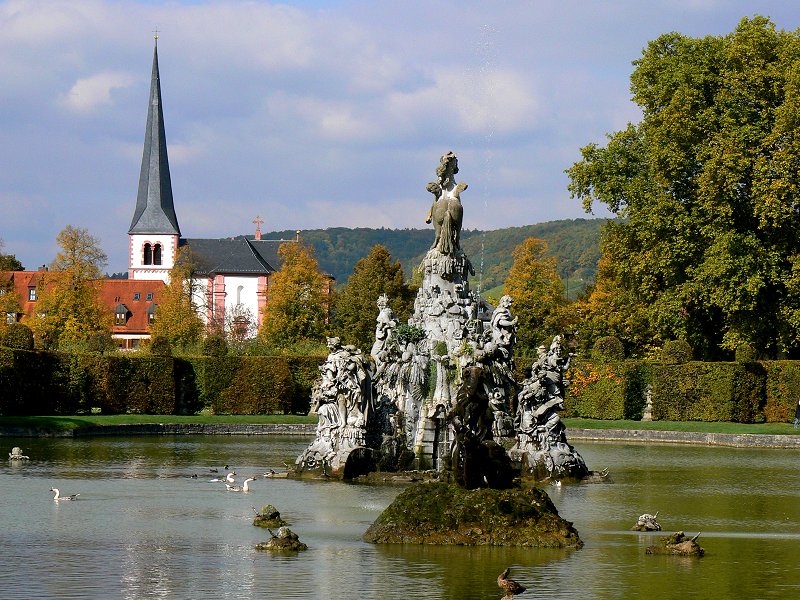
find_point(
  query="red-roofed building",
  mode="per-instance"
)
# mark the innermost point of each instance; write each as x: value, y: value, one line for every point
x: 132, y: 302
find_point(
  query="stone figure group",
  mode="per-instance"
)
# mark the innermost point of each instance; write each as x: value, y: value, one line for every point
x: 440, y: 388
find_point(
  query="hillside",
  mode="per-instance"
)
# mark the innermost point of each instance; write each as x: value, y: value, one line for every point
x: 574, y: 243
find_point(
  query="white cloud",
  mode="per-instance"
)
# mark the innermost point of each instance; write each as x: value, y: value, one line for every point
x: 89, y: 93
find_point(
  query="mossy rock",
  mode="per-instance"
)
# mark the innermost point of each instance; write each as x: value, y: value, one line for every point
x: 677, y: 544
x: 443, y: 513
x: 268, y: 517
x: 285, y: 540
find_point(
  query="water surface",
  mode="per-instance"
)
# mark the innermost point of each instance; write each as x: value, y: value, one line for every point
x: 143, y: 527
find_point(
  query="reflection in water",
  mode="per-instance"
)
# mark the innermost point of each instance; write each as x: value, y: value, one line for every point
x: 143, y: 527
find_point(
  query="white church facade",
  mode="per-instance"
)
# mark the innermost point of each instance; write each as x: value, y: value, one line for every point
x: 232, y: 274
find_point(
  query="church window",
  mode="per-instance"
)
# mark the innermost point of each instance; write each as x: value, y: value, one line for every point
x: 156, y: 254
x: 148, y: 255
x: 239, y: 291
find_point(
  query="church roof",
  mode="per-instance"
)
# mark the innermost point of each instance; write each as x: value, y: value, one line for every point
x: 234, y: 256
x: 155, y: 212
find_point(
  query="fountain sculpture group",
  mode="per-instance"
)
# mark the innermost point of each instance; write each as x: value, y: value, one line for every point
x: 438, y: 392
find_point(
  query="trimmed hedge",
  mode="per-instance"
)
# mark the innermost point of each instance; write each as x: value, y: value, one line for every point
x: 607, y: 390
x: 698, y: 391
x: 50, y: 383
x: 39, y: 383
x: 782, y: 390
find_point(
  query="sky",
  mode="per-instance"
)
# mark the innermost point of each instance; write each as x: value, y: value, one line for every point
x: 316, y: 114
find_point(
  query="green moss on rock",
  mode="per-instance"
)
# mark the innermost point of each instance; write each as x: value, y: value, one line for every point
x: 442, y: 513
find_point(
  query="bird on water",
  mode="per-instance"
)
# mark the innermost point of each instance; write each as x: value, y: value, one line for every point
x: 511, y: 587
x: 245, y: 487
x: 58, y: 497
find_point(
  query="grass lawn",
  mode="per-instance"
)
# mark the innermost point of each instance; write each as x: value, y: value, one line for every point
x: 696, y: 426
x: 78, y: 421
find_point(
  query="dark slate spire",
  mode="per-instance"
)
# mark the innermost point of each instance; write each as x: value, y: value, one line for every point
x: 155, y: 212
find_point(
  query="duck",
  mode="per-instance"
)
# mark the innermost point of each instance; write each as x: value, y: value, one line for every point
x: 217, y: 470
x: 228, y: 479
x: 245, y: 487
x: 510, y: 586
x: 58, y: 497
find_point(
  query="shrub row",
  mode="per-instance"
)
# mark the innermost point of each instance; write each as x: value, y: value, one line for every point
x: 742, y: 392
x: 39, y: 383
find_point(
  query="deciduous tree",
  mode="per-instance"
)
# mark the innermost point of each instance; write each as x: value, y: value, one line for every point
x: 9, y: 262
x: 176, y: 318
x: 355, y: 307
x: 296, y: 309
x: 538, y: 295
x: 69, y: 310
x: 707, y: 188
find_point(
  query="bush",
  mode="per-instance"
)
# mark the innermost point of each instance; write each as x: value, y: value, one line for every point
x: 608, y: 349
x: 746, y: 353
x: 215, y: 345
x: 676, y: 352
x: 160, y: 346
x: 18, y: 336
x: 100, y: 342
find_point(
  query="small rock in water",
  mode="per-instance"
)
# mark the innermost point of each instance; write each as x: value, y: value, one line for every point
x: 284, y: 541
x: 678, y: 544
x: 268, y: 517
x: 647, y: 522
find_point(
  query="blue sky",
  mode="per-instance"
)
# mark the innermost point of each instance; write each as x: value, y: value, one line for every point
x: 315, y: 114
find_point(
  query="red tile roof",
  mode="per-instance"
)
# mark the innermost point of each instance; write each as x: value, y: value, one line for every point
x: 112, y: 293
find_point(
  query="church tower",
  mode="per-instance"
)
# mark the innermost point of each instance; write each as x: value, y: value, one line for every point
x: 154, y: 233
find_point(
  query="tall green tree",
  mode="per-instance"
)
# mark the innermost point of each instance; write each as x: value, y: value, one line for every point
x: 296, y: 310
x: 9, y: 262
x: 176, y: 319
x: 538, y: 296
x: 69, y: 310
x: 707, y: 191
x: 355, y: 306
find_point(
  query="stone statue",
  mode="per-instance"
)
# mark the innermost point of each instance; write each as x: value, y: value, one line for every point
x: 541, y: 438
x: 342, y: 399
x: 386, y: 325
x: 446, y: 212
x: 442, y: 393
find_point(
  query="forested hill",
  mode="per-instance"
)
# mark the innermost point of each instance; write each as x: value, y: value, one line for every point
x: 574, y: 243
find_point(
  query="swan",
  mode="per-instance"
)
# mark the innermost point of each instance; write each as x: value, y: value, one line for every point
x: 229, y: 478
x: 245, y: 487
x: 59, y: 497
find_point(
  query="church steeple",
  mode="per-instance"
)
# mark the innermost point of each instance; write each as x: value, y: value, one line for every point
x: 155, y: 212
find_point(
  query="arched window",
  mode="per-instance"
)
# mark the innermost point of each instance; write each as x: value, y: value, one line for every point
x: 157, y: 254
x: 148, y: 255
x: 239, y: 291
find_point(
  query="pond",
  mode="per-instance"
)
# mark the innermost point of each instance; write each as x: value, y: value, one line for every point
x: 143, y: 527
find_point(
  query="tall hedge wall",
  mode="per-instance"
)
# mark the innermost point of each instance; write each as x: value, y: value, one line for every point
x: 607, y: 390
x: 33, y: 382
x: 44, y: 383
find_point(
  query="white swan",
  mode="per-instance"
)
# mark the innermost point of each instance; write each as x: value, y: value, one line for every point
x: 59, y: 497
x: 229, y: 478
x: 245, y: 487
